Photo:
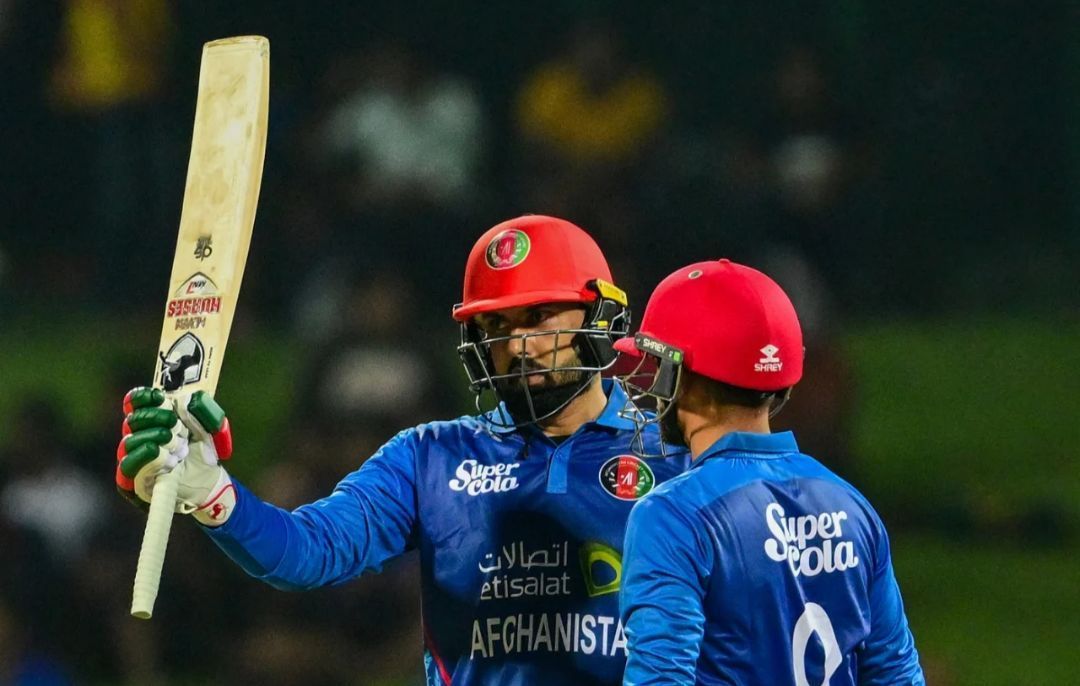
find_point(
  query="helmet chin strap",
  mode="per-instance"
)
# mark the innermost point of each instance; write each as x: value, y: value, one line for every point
x: 778, y: 402
x: 686, y: 437
x: 701, y: 427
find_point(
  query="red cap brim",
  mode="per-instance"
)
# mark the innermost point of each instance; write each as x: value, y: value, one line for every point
x: 521, y: 300
x: 626, y: 346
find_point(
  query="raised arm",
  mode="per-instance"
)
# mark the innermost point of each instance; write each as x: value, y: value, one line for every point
x: 368, y: 519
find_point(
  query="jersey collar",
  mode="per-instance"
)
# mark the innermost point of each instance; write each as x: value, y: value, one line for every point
x: 612, y: 417
x: 764, y: 445
x: 615, y: 414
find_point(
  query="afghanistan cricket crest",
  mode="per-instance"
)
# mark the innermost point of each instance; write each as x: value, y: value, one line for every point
x: 508, y: 249
x: 627, y: 477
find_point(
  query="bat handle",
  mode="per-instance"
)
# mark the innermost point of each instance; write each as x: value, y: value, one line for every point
x: 155, y: 540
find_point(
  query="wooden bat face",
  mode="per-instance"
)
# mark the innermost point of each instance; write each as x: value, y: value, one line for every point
x: 220, y: 198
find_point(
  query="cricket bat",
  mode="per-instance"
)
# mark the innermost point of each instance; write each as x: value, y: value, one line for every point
x: 220, y: 197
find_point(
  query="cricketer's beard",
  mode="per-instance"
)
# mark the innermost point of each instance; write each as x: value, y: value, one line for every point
x: 670, y: 431
x: 556, y: 390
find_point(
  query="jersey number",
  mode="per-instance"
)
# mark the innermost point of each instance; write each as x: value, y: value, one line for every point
x: 814, y: 621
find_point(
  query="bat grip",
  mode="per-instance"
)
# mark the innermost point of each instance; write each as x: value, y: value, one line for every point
x: 155, y: 540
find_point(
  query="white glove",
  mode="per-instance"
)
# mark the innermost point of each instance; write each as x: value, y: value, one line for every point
x: 190, y: 434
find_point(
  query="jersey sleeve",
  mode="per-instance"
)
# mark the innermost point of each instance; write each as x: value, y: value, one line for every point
x: 368, y: 519
x: 889, y: 657
x: 666, y: 567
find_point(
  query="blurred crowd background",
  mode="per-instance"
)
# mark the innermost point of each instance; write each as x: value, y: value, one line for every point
x: 910, y: 172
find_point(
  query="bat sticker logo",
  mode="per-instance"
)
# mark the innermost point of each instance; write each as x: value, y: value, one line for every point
x: 203, y: 248
x: 182, y: 364
x: 196, y: 284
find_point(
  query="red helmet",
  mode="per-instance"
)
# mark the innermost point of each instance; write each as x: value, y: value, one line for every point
x: 728, y: 322
x: 529, y: 260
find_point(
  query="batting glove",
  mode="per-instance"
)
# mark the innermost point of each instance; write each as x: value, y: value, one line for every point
x: 188, y: 433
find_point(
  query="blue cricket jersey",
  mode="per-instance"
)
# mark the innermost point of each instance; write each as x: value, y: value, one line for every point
x: 760, y: 566
x: 520, y: 542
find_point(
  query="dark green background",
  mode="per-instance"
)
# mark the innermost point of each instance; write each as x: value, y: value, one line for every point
x: 961, y: 317
x: 965, y: 430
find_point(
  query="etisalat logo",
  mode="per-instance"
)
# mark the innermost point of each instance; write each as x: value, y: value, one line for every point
x: 508, y: 249
x: 521, y: 570
x: 182, y: 364
x: 627, y: 477
x: 518, y: 570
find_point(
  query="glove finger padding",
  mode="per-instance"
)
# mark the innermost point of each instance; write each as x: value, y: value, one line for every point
x: 153, y: 441
x: 150, y: 418
x: 143, y: 396
x: 145, y: 455
x: 207, y: 422
x: 185, y: 433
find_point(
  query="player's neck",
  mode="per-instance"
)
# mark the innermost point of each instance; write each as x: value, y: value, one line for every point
x: 584, y: 408
x: 702, y: 431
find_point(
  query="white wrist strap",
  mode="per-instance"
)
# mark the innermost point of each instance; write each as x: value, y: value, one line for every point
x: 219, y: 507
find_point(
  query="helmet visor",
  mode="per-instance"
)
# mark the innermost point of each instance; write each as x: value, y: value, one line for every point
x: 528, y: 391
x: 652, y: 387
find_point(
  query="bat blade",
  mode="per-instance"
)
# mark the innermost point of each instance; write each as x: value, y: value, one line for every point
x: 220, y: 198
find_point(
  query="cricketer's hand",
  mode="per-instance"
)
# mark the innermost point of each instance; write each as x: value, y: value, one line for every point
x: 190, y: 434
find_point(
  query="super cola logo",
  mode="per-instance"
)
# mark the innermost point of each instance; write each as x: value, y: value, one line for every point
x: 810, y: 544
x: 475, y: 478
